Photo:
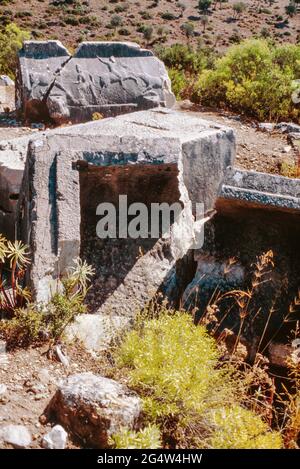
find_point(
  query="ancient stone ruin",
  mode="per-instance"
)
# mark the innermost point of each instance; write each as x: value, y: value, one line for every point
x: 141, y: 155
x: 69, y: 171
x: 100, y: 79
x: 52, y: 181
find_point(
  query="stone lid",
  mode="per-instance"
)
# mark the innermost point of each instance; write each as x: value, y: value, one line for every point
x: 43, y: 50
x: 94, y: 49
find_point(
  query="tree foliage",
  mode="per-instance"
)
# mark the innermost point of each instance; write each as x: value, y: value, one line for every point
x: 11, y: 40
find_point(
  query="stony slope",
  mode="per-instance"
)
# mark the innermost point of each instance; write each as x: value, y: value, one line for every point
x: 74, y: 20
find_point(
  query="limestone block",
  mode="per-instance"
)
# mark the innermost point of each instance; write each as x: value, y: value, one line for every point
x: 150, y: 156
x: 93, y: 407
x: 109, y: 78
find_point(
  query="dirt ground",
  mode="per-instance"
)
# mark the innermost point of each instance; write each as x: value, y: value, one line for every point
x: 72, y: 21
x: 257, y: 150
x: 31, y: 379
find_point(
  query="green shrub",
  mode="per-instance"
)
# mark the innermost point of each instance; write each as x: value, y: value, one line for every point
x: 72, y: 20
x: 148, y: 438
x: 38, y: 323
x: 188, y: 29
x: 11, y: 40
x: 174, y: 365
x: 25, y: 328
x: 174, y: 358
x: 184, y: 63
x: 116, y: 21
x: 168, y: 16
x: 290, y: 170
x: 239, y: 428
x: 253, y: 78
x: 124, y: 32
x: 178, y: 80
x: 184, y: 57
x: 239, y: 8
x: 204, y: 5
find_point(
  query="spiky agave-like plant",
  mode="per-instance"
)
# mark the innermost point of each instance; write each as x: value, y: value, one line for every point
x: 12, y: 293
x: 77, y: 279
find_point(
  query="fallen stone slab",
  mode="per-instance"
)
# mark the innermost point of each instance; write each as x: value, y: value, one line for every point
x: 261, y: 189
x: 93, y: 408
x: 287, y: 127
x: 294, y: 140
x: 256, y: 213
x: 17, y: 435
x: 279, y: 354
x: 266, y: 126
x: 100, y: 79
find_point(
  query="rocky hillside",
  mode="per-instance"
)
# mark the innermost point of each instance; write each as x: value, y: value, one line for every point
x: 151, y: 22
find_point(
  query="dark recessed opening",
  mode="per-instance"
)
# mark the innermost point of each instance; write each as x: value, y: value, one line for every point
x: 114, y: 258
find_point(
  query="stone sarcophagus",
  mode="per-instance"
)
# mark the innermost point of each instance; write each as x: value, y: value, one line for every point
x: 141, y: 157
x: 106, y: 78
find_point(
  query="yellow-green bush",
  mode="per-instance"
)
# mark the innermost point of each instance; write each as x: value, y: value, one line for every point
x: 184, y: 57
x: 148, y: 438
x: 174, y: 365
x: 238, y: 428
x: 175, y: 359
x: 253, y: 78
x: 178, y: 80
x: 184, y: 63
x: 11, y: 39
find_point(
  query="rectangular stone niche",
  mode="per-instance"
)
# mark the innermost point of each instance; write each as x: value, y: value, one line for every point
x: 115, y: 258
x: 152, y: 156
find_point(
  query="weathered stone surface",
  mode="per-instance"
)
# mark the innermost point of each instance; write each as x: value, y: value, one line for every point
x: 284, y: 127
x: 109, y: 78
x: 288, y: 127
x: 55, y: 439
x: 12, y: 162
x: 13, y: 154
x: 96, y: 332
x: 255, y: 213
x: 7, y: 94
x: 6, y: 81
x: 59, y: 203
x: 3, y: 390
x: 16, y: 435
x: 279, y: 354
x: 266, y: 126
x: 39, y: 63
x: 261, y: 189
x: 211, y: 274
x: 93, y: 407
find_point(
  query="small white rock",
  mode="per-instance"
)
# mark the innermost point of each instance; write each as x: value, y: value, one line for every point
x: 16, y: 435
x: 62, y: 357
x: 3, y: 389
x: 43, y: 376
x: 287, y: 149
x: 55, y: 439
x: 266, y: 126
